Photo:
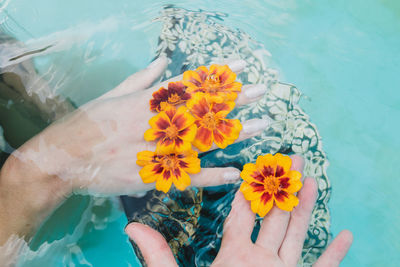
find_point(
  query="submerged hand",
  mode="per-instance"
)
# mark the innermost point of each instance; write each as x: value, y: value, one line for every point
x: 94, y: 151
x: 279, y: 241
x: 95, y: 148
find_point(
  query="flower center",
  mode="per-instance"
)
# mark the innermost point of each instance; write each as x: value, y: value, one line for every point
x: 170, y: 162
x: 171, y: 132
x: 173, y: 99
x: 210, y: 121
x: 271, y: 184
x: 212, y: 83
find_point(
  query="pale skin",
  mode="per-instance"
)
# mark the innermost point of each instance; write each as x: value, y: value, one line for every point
x: 279, y: 242
x: 91, y: 151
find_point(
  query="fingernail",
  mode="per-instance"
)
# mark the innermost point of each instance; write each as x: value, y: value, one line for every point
x: 255, y: 125
x: 131, y: 225
x: 255, y: 91
x: 237, y: 65
x: 231, y: 176
x: 156, y: 62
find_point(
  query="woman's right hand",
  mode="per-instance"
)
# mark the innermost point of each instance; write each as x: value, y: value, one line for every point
x: 279, y: 242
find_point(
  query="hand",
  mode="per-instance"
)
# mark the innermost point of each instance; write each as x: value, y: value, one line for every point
x: 95, y: 148
x: 279, y: 241
x: 93, y: 151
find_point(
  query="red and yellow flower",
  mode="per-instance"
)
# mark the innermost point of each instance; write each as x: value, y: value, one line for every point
x: 174, y: 129
x: 175, y: 94
x: 211, y: 121
x: 270, y: 181
x: 218, y: 82
x: 168, y: 168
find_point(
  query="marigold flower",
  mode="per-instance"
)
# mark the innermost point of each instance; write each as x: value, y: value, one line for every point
x: 168, y: 168
x: 173, y: 128
x: 175, y: 94
x: 212, y: 126
x: 218, y: 82
x: 270, y: 180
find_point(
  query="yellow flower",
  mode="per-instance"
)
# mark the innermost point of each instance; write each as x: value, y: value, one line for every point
x: 218, y: 82
x: 270, y: 180
x: 212, y: 125
x: 173, y: 128
x: 168, y: 168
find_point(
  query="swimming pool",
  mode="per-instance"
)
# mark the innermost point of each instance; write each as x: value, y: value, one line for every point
x: 343, y: 57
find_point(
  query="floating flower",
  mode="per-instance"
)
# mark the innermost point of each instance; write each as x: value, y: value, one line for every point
x: 218, y: 82
x: 212, y: 125
x: 173, y: 128
x: 168, y: 168
x: 175, y: 94
x: 270, y: 180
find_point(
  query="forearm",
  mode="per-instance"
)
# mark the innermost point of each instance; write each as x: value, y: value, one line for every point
x: 27, y: 196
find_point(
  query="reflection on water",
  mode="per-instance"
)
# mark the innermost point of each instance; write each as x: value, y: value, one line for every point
x: 191, y: 220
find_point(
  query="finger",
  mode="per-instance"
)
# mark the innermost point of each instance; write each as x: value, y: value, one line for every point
x: 336, y: 251
x: 274, y: 225
x: 215, y: 176
x: 152, y: 245
x: 236, y: 65
x: 250, y: 129
x: 292, y: 245
x: 239, y: 224
x: 251, y: 93
x: 141, y: 79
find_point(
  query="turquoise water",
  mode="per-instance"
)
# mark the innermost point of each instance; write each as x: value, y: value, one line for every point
x: 344, y: 56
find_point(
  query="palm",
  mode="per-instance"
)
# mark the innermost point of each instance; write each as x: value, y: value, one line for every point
x: 279, y: 242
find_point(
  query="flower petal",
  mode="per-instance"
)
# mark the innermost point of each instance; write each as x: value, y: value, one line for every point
x: 230, y: 129
x: 151, y: 134
x: 261, y: 208
x: 227, y: 76
x: 182, y: 118
x: 148, y: 173
x: 223, y: 109
x: 189, y: 133
x: 198, y: 105
x: 144, y: 157
x: 294, y: 175
x: 283, y: 164
x: 250, y: 192
x: 203, y: 72
x: 285, y: 201
x: 164, y: 182
x: 182, y: 145
x: 292, y: 186
x: 181, y: 179
x: 266, y: 203
x: 263, y: 162
x: 161, y: 95
x: 250, y: 173
x: 191, y: 79
x: 161, y: 121
x: 204, y: 139
x: 165, y: 145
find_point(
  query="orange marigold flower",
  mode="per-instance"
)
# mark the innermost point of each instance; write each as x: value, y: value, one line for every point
x: 168, y: 168
x: 212, y: 126
x: 173, y: 128
x: 270, y: 180
x: 175, y: 94
x: 218, y: 82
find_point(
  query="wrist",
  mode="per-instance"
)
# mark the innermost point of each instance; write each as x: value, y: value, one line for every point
x: 27, y: 197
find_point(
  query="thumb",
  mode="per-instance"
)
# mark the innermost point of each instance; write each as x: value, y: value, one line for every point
x: 152, y: 244
x: 140, y: 80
